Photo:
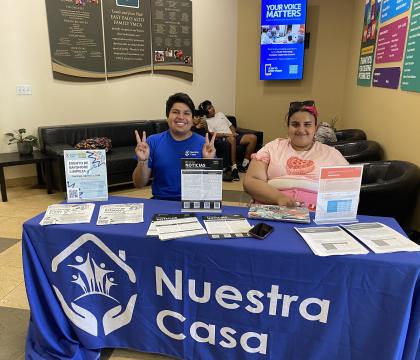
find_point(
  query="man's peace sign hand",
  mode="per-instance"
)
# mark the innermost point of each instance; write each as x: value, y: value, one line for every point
x: 209, y: 151
x: 142, y: 149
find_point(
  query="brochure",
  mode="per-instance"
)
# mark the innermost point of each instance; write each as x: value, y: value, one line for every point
x: 297, y: 214
x: 156, y: 217
x: 338, y: 194
x: 226, y: 227
x: 381, y: 238
x: 201, y: 185
x: 120, y: 214
x: 178, y: 227
x: 68, y: 214
x: 330, y: 240
x: 86, y: 176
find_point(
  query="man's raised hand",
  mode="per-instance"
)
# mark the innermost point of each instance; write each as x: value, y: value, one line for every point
x: 209, y: 151
x: 142, y: 148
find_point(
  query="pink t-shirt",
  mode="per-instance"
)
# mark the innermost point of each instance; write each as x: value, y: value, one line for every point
x: 296, y: 173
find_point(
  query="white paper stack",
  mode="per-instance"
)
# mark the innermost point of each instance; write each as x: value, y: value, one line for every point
x: 381, y: 238
x: 68, y: 214
x: 330, y: 240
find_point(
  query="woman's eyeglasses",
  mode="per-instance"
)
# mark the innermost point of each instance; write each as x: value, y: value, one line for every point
x: 299, y: 104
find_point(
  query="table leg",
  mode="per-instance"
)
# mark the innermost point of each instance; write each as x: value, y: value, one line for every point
x: 3, y: 185
x: 47, y: 165
x: 39, y: 173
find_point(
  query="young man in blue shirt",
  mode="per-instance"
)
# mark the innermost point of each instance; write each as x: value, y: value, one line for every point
x: 160, y: 155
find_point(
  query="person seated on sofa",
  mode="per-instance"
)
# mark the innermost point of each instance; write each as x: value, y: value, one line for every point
x: 160, y: 154
x: 222, y: 147
x: 219, y: 123
x: 286, y: 171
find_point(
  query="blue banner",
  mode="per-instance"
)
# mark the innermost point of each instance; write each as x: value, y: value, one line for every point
x: 91, y: 287
x: 282, y: 39
x: 392, y: 8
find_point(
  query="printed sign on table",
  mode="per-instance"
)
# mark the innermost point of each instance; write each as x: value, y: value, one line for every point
x: 411, y: 69
x: 201, y: 185
x: 367, y: 48
x: 392, y: 8
x: 338, y: 194
x: 86, y: 176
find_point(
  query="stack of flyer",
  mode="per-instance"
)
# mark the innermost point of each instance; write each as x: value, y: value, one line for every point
x: 227, y: 226
x: 173, y: 226
x: 297, y: 214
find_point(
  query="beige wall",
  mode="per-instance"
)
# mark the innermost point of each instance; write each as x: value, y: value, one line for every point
x: 25, y: 59
x: 391, y: 117
x: 262, y: 104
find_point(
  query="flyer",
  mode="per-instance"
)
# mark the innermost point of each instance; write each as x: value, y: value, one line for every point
x: 68, y: 214
x: 130, y: 213
x: 226, y: 227
x: 330, y: 240
x: 86, y: 176
x: 201, y: 185
x: 381, y: 238
x: 338, y: 194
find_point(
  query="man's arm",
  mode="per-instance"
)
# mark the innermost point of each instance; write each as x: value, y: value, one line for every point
x: 142, y: 173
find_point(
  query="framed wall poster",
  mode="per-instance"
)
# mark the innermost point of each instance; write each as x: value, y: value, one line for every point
x: 76, y: 44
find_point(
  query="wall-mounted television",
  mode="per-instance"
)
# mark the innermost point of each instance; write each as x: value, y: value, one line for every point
x: 282, y: 39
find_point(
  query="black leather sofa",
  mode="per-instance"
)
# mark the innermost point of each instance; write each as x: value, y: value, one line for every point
x: 360, y: 151
x: 348, y: 135
x: 120, y: 160
x: 389, y: 188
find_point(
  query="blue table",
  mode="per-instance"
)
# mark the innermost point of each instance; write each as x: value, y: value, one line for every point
x: 91, y: 287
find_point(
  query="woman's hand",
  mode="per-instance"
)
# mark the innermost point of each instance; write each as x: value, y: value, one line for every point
x: 285, y: 201
x: 209, y: 151
x: 142, y: 149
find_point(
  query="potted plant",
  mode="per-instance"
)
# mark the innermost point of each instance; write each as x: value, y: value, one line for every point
x: 25, y: 143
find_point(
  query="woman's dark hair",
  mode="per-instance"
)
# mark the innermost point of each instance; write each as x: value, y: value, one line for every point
x: 204, y: 105
x: 179, y: 98
x: 307, y: 106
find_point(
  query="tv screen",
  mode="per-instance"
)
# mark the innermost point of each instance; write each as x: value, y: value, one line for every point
x: 282, y: 39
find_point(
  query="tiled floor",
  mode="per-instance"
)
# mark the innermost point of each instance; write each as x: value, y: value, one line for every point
x: 26, y: 201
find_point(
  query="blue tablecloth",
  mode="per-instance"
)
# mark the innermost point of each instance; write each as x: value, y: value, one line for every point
x: 91, y: 287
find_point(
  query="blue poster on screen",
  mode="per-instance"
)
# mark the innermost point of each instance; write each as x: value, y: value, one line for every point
x: 282, y: 39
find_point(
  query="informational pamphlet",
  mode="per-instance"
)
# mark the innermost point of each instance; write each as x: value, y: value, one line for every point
x: 68, y: 214
x: 226, y: 227
x: 201, y: 185
x: 178, y: 228
x: 157, y: 217
x: 338, y: 194
x: 86, y: 177
x: 330, y: 240
x: 120, y: 214
x: 381, y: 238
x: 297, y: 214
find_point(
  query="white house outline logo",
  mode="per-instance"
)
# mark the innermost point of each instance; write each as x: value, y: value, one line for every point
x: 95, y: 279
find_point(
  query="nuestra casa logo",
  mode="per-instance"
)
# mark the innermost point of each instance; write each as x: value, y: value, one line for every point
x: 95, y: 278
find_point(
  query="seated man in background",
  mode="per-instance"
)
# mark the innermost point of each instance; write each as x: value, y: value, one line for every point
x: 218, y: 123
x: 222, y: 147
x: 160, y: 154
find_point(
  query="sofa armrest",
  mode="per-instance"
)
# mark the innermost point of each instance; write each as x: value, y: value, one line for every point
x: 258, y: 134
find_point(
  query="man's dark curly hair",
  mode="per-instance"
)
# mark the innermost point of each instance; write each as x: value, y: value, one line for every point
x: 179, y: 98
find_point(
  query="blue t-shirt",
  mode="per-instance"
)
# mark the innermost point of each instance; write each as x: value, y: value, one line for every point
x: 165, y: 162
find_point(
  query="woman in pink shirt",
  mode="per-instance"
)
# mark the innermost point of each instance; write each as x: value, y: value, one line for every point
x: 286, y: 171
